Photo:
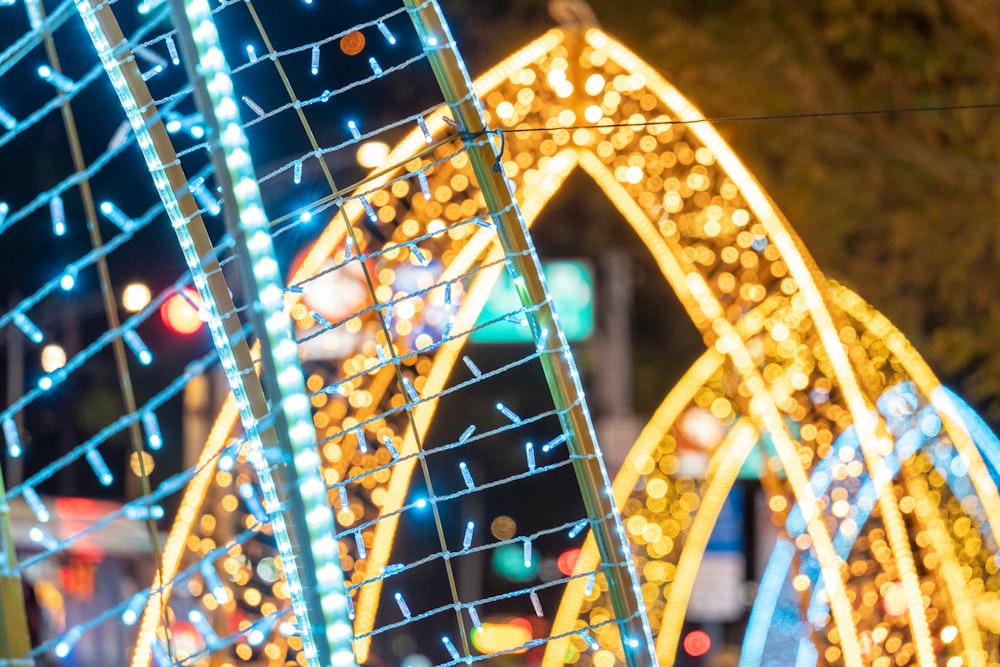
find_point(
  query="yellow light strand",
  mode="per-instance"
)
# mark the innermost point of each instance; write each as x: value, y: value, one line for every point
x: 807, y: 276
x: 726, y: 461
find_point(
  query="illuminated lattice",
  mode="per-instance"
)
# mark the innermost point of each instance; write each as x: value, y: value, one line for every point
x: 254, y: 568
x: 882, y: 483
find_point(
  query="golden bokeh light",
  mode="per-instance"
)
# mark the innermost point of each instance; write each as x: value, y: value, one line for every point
x: 886, y: 543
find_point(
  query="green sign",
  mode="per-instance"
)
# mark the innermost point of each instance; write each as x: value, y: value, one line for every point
x: 571, y: 287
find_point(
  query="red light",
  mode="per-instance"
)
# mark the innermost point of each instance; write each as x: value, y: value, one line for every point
x: 567, y: 561
x: 697, y: 643
x: 180, y: 313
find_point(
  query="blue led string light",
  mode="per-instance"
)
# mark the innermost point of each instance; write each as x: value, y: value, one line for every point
x: 564, y: 382
x: 322, y: 604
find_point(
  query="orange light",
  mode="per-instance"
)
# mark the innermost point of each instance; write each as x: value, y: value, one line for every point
x: 352, y: 43
x: 567, y: 561
x: 697, y: 643
x: 180, y: 312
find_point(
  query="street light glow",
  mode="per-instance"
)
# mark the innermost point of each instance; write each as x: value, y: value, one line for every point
x: 180, y: 312
x: 53, y: 357
x: 135, y: 297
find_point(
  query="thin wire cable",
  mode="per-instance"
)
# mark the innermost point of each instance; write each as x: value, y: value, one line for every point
x: 715, y: 120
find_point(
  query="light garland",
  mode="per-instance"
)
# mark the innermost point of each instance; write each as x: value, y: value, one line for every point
x: 361, y: 427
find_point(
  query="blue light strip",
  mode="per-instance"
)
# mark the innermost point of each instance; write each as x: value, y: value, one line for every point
x: 322, y: 605
x: 563, y: 378
x: 295, y: 404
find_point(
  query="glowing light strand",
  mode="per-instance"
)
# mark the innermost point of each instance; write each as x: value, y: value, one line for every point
x: 120, y: 82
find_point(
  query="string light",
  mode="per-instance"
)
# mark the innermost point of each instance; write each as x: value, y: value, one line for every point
x: 175, y: 58
x: 39, y: 536
x: 470, y: 527
x: 58, y: 213
x: 35, y: 504
x: 411, y: 392
x: 474, y: 615
x: 7, y: 121
x: 452, y: 651
x: 253, y: 106
x: 68, y: 641
x: 100, y: 467
x: 68, y: 280
x: 60, y: 81
x: 425, y: 188
x: 360, y: 545
x: 204, y: 197
x: 553, y: 443
x: 138, y: 347
x: 393, y: 452
x: 204, y: 628
x: 473, y: 368
x: 115, y: 215
x: 422, y: 124
x: 134, y: 608
x: 403, y: 608
x: 10, y: 432
x: 466, y: 476
x: 368, y: 209
x: 386, y: 33
x: 508, y: 413
x: 536, y: 604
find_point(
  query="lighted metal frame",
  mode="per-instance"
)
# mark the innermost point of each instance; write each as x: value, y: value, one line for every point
x: 695, y: 293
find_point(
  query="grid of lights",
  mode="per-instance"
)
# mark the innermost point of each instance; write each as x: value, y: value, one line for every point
x: 195, y: 261
x: 886, y: 490
x: 357, y: 414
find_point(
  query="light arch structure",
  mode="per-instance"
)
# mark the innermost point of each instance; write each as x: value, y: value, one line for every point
x: 838, y: 392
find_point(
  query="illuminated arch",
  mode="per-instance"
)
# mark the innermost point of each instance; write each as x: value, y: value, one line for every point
x: 776, y: 333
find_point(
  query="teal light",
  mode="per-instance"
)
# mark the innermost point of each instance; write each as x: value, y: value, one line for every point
x: 571, y: 285
x: 508, y: 562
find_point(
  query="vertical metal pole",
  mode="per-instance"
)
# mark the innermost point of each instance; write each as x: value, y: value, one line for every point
x: 560, y: 372
x: 617, y: 425
x: 15, y: 388
x: 15, y: 643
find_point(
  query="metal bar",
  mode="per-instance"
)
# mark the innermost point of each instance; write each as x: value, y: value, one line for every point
x: 15, y: 643
x: 560, y: 372
x: 182, y: 208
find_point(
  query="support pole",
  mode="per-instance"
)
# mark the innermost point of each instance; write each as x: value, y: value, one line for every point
x: 560, y: 372
x: 315, y: 583
x: 15, y: 643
